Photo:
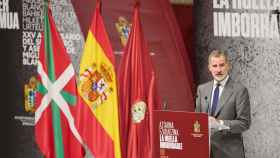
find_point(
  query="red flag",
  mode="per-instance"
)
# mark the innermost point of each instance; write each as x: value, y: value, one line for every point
x: 137, y: 95
x: 56, y: 134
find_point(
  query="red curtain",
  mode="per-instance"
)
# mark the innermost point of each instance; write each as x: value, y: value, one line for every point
x: 184, y: 17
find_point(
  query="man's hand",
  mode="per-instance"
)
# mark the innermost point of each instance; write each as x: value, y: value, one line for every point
x: 216, y: 125
x: 213, y: 124
x: 212, y: 119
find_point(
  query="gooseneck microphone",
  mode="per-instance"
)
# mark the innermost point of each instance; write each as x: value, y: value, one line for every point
x: 165, y: 105
x: 208, y: 105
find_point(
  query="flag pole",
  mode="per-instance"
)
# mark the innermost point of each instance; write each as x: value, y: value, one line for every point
x: 137, y: 3
x: 99, y: 3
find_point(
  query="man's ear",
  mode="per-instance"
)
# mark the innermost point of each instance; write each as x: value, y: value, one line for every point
x: 229, y: 66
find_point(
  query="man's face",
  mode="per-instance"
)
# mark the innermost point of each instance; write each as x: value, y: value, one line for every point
x: 218, y: 67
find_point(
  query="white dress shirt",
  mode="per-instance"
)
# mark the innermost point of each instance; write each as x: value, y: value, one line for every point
x: 221, y: 88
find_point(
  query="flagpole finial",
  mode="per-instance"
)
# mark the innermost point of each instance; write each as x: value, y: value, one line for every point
x: 98, y: 2
x: 99, y: 5
x: 47, y: 3
x: 137, y: 3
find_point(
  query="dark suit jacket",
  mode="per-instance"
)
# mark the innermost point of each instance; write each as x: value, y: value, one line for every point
x: 234, y: 109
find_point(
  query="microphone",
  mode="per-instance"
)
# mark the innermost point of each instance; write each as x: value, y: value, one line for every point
x: 165, y: 105
x: 208, y: 105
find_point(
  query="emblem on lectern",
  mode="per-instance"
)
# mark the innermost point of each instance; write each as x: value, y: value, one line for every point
x: 196, y: 130
x: 196, y: 127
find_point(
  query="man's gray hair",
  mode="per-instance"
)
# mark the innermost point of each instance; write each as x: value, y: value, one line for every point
x: 218, y: 53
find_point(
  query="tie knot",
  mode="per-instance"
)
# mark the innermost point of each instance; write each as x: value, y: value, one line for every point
x: 218, y: 84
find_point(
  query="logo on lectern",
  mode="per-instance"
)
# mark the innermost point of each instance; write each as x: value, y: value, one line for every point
x: 196, y: 127
x: 196, y: 130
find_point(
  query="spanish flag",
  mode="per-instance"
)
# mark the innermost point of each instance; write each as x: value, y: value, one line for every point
x: 98, y: 118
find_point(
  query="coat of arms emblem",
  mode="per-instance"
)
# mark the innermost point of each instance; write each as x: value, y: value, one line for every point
x: 96, y: 84
x: 196, y: 127
x: 123, y: 28
x: 30, y: 90
x: 138, y: 111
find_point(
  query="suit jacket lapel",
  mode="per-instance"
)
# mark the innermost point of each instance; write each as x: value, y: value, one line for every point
x: 208, y: 94
x: 227, y: 91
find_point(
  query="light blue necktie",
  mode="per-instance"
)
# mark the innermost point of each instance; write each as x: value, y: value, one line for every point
x: 215, y: 99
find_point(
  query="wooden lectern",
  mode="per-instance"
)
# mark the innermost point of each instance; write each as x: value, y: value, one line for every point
x: 180, y: 134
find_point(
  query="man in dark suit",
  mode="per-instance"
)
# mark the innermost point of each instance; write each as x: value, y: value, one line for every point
x: 228, y: 105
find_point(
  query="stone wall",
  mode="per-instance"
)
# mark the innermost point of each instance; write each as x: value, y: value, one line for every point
x: 255, y: 62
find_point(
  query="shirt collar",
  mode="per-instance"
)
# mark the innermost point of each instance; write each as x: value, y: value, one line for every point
x: 223, y: 82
